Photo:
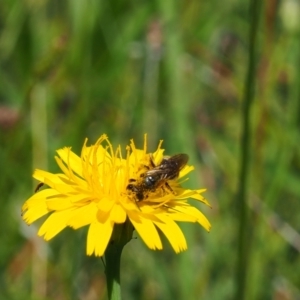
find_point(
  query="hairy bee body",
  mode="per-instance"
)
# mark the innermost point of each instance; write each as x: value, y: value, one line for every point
x: 157, y: 176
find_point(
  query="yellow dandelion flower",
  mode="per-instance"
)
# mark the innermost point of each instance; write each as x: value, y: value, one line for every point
x: 94, y: 190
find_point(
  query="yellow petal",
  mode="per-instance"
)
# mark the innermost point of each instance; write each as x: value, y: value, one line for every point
x: 147, y: 231
x: 159, y: 153
x: 79, y: 199
x: 186, y: 193
x: 106, y: 204
x: 61, y: 188
x: 59, y: 182
x: 158, y: 156
x: 118, y: 214
x: 200, y: 198
x: 201, y: 219
x: 39, y: 197
x: 173, y: 233
x: 102, y: 154
x: 69, y: 173
x: 102, y: 216
x: 182, y: 217
x: 35, y: 207
x: 71, y: 159
x: 194, y: 194
x: 83, y: 216
x: 55, y: 223
x: 186, y: 170
x: 40, y: 175
x: 98, y: 237
x: 35, y: 212
x: 59, y: 203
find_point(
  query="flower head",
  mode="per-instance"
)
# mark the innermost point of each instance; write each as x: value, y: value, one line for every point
x: 93, y: 190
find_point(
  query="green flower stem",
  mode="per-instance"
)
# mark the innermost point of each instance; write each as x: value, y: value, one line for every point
x: 38, y: 112
x: 122, y: 234
x: 244, y: 222
x: 112, y: 270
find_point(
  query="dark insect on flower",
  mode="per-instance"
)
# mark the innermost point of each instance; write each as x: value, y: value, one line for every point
x: 158, y: 176
x: 38, y: 187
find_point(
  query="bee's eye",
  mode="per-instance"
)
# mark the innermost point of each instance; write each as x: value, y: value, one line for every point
x: 150, y: 181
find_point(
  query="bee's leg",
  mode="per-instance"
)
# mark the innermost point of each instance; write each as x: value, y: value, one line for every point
x: 134, y: 197
x: 167, y: 186
x: 151, y: 166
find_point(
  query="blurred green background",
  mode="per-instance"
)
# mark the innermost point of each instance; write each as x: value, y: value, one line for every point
x: 176, y: 70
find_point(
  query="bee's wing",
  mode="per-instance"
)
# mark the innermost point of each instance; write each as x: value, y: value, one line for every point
x: 178, y: 160
x: 156, y: 172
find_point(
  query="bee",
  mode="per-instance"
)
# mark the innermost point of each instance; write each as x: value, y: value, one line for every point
x: 158, y: 176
